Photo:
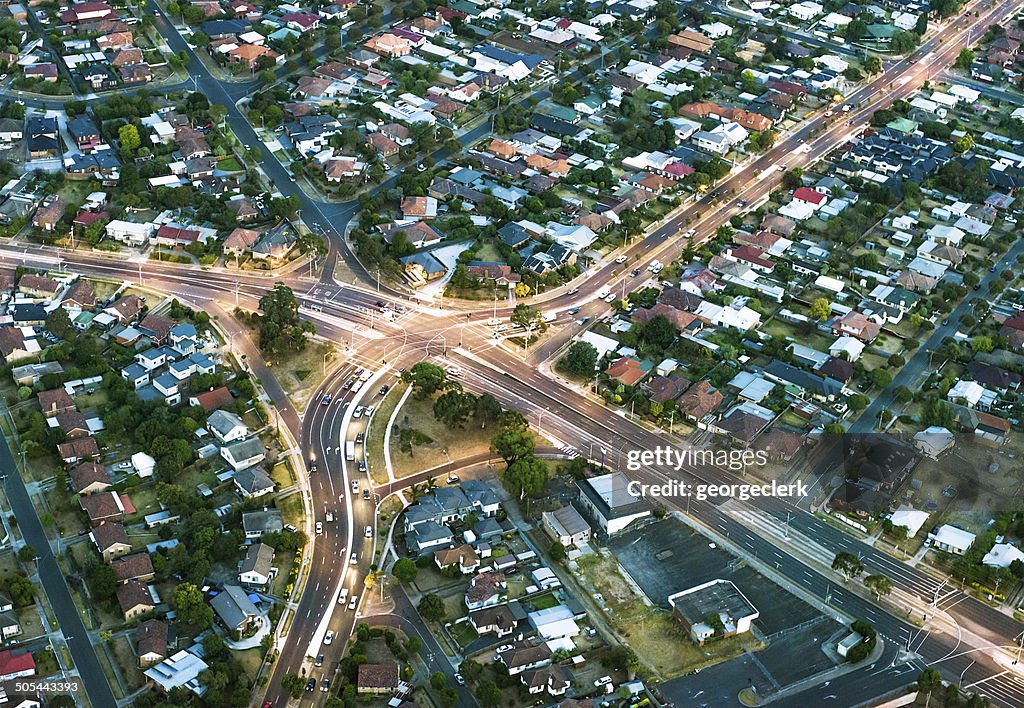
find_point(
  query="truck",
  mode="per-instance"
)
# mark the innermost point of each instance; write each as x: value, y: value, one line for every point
x: 350, y: 450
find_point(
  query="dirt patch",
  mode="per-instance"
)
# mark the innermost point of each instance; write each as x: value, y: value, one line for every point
x: 438, y: 443
x: 613, y: 592
x: 300, y: 375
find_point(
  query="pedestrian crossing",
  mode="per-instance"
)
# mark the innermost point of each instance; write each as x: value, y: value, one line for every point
x: 570, y: 451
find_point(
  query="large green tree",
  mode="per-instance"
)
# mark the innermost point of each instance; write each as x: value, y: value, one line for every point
x: 426, y: 379
x: 282, y: 331
x: 526, y: 477
x: 579, y: 360
x: 190, y: 606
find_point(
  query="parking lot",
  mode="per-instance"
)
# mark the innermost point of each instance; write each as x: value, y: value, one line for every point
x: 669, y: 556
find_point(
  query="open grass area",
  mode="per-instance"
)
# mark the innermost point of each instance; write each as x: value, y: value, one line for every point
x: 282, y: 475
x: 378, y: 428
x: 301, y: 375
x: 665, y: 647
x: 127, y: 662
x: 463, y: 634
x: 544, y: 602
x: 250, y: 660
x: 291, y: 509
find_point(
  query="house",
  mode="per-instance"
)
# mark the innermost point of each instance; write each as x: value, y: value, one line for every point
x: 55, y: 401
x: 524, y: 657
x: 555, y: 680
x: 235, y: 610
x: 43, y: 138
x: 15, y: 347
x: 257, y: 567
x: 49, y: 214
x: 31, y: 374
x: 257, y: 523
x: 213, y: 399
x: 89, y: 478
x: 73, y: 451
x: 699, y: 401
x: 628, y: 371
x: 135, y: 600
x: 151, y: 642
x: 226, y: 427
x: 1002, y: 555
x: 111, y: 540
x: 341, y: 169
x: 16, y: 663
x: 239, y: 241
x: 610, y: 504
x: 126, y: 308
x: 951, y: 539
x: 857, y: 325
x: 81, y: 295
x: 485, y: 589
x: 377, y: 679
x: 715, y: 609
x: 179, y: 672
x: 427, y: 535
x: 243, y: 453
x: 499, y: 620
x: 421, y: 268
x: 567, y: 526
x: 137, y: 566
x: 991, y: 428
x: 463, y: 557
x: 253, y: 482
x: 385, y: 146
x: 106, y: 506
x: 275, y: 245
x: 419, y: 207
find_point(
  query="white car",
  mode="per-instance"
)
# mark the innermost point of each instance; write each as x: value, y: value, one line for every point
x: 358, y: 412
x: 353, y: 602
x: 329, y: 517
x: 620, y: 260
x: 609, y: 298
x: 690, y: 234
x: 319, y: 526
x: 342, y: 596
x: 603, y: 681
x: 504, y: 648
x: 368, y: 411
x: 572, y: 291
x: 454, y: 371
x: 369, y: 532
x: 329, y: 637
x: 354, y: 558
x: 355, y: 486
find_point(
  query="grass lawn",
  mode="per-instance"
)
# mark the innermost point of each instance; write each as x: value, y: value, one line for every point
x: 229, y: 165
x: 463, y: 634
x: 145, y: 501
x: 31, y: 625
x: 488, y: 252
x: 378, y: 427
x: 663, y: 645
x: 46, y: 662
x: 544, y: 602
x: 445, y: 444
x: 127, y: 662
x: 282, y: 476
x: 291, y: 509
x: 300, y: 375
x: 250, y: 660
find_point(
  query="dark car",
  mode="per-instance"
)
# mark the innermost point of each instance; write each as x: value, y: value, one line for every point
x: 635, y: 272
x: 384, y: 390
x: 360, y: 437
x: 366, y: 494
x: 311, y: 685
x: 319, y: 660
x: 312, y: 467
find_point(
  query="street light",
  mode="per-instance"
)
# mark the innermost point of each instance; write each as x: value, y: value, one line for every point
x: 961, y: 682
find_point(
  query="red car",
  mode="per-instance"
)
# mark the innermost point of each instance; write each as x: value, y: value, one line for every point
x: 268, y: 704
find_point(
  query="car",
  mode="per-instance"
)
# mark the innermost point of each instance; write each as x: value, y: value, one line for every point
x: 319, y: 661
x: 312, y: 467
x: 353, y: 602
x: 360, y: 437
x: 454, y: 371
x: 828, y: 114
x: 311, y: 685
x: 977, y: 286
x: 326, y: 400
x: 354, y: 558
x: 991, y: 269
x: 342, y: 596
x: 368, y: 532
x: 635, y: 272
x: 247, y: 145
x: 620, y: 259
x: 355, y: 486
x: 384, y: 390
x: 504, y: 648
x: 690, y: 234
x: 325, y: 684
x: 3, y: 76
x: 362, y: 465
x: 329, y: 517
x: 582, y: 321
x: 573, y: 310
x: 366, y: 494
x: 380, y: 303
x: 741, y: 202
x: 319, y: 526
x: 603, y: 681
x: 268, y: 704
x: 358, y: 412
x: 945, y: 322
x: 348, y: 384
x: 329, y: 637
x: 609, y: 298
x: 572, y: 291
x: 368, y: 411
x: 459, y: 680
x: 290, y: 527
x: 400, y: 309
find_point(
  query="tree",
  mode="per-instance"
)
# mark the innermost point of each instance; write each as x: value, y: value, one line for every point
x: 964, y: 59
x: 982, y: 344
x: 902, y: 394
x: 579, y: 360
x: 873, y: 65
x: 453, y: 407
x: 192, y: 609
x: 438, y: 680
x: 26, y: 554
x: 858, y: 402
x: 528, y: 318
x: 282, y: 331
x: 821, y: 309
x: 556, y: 551
x: 431, y: 607
x: 513, y: 443
x: 426, y: 379
x: 793, y: 179
x: 404, y: 570
x: 847, y: 564
x: 293, y: 683
x: 526, y: 477
x: 486, y: 409
x: 878, y: 584
x: 921, y: 27
x: 59, y: 323
x: 928, y: 681
x: 128, y: 135
x: 488, y: 694
x: 964, y: 144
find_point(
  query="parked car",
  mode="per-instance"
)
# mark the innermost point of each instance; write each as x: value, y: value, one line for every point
x: 311, y: 685
x: 319, y: 526
x: 319, y: 661
x: 384, y: 390
x: 329, y: 637
x: 355, y: 486
x: 354, y: 558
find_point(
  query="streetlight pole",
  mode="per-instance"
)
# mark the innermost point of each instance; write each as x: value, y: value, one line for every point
x: 960, y: 684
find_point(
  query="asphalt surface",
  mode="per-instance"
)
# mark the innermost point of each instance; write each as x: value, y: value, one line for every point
x: 56, y: 587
